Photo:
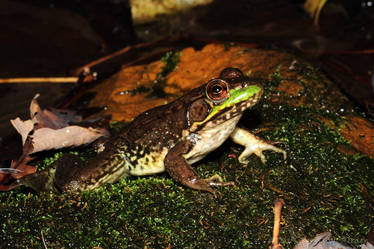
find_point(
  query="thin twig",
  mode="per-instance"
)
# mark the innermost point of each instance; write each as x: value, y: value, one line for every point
x: 277, y: 215
x: 115, y: 54
x: 364, y: 51
x: 39, y: 80
x: 45, y: 245
x: 146, y: 57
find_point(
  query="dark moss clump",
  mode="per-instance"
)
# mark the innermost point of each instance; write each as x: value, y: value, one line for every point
x: 170, y: 60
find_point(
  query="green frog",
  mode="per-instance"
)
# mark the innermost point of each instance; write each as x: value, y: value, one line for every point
x: 170, y: 138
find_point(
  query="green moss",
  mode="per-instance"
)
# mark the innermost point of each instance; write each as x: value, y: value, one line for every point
x: 49, y: 158
x: 275, y: 78
x: 170, y: 61
x: 116, y: 127
x: 325, y: 182
x: 228, y: 45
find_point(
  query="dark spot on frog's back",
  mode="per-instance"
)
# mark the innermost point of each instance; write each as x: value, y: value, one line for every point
x: 140, y: 152
x: 134, y: 161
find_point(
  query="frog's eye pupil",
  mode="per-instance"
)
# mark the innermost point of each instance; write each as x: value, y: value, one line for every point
x: 216, y: 89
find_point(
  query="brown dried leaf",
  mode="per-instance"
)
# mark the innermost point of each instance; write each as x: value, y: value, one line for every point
x: 321, y: 241
x: 48, y: 130
x: 47, y: 139
x: 22, y: 127
x: 55, y: 120
x: 22, y: 168
x: 53, y: 130
x: 17, y: 170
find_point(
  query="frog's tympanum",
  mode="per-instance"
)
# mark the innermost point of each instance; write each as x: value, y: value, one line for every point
x: 172, y: 137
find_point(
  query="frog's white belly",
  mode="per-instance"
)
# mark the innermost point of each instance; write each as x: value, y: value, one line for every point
x: 210, y: 139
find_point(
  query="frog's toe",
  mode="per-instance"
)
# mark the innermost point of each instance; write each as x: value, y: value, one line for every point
x: 201, y: 184
x: 214, y: 178
x: 261, y: 156
x: 270, y: 146
x: 217, y: 180
x: 275, y: 149
x: 278, y: 150
x: 243, y: 158
x: 258, y: 151
x: 244, y: 161
x: 267, y: 146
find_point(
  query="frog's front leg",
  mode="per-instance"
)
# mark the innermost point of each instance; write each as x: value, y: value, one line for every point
x: 178, y: 168
x: 252, y: 144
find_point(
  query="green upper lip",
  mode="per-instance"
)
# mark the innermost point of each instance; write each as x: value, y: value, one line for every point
x: 239, y: 95
x: 236, y: 96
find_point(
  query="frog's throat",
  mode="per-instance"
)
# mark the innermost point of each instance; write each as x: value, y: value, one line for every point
x: 249, y: 95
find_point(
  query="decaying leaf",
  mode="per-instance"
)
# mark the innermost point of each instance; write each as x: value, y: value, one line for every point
x: 47, y: 130
x: 17, y: 170
x: 54, y: 130
x: 47, y: 138
x: 321, y: 241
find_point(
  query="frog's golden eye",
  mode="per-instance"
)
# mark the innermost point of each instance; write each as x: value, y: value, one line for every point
x: 217, y: 90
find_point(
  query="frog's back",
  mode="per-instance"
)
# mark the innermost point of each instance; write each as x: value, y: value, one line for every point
x: 156, y: 127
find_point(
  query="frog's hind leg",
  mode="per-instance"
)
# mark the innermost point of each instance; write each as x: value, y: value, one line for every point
x: 253, y: 144
x: 178, y: 168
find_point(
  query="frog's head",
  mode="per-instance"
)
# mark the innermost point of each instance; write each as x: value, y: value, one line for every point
x: 223, y: 99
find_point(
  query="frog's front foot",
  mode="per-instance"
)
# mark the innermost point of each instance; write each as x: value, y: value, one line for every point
x: 180, y: 170
x: 252, y: 145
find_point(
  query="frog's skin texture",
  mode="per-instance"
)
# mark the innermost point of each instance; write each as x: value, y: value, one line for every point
x: 172, y: 137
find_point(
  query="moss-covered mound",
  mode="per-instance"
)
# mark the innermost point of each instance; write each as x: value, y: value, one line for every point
x: 326, y: 181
